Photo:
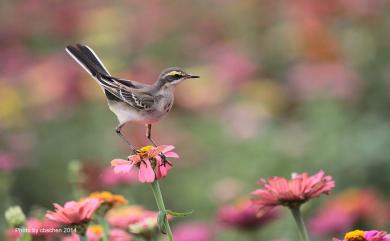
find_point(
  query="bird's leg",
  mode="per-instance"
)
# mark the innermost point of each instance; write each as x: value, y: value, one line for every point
x: 118, y: 131
x: 149, y: 134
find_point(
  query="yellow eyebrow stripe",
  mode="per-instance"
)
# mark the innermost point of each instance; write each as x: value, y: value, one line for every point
x: 172, y: 73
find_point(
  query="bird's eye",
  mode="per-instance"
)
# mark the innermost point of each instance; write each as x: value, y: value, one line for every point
x: 177, y: 76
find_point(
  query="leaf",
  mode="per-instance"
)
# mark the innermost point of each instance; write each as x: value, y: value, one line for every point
x: 179, y: 214
x: 161, y: 219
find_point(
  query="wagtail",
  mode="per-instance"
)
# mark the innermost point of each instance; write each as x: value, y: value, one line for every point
x: 132, y: 101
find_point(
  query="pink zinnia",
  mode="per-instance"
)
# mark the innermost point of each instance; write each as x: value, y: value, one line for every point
x: 119, y: 235
x: 122, y: 217
x: 115, y: 235
x: 109, y: 178
x: 195, y: 231
x: 243, y: 215
x: 74, y: 212
x: 292, y: 193
x: 347, y: 209
x: 148, y: 161
x: 41, y: 227
x: 359, y: 235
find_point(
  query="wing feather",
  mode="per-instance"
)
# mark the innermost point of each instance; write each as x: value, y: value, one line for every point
x: 141, y: 101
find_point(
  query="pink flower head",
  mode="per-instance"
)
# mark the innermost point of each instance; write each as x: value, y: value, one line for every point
x: 123, y: 216
x: 151, y: 165
x: 74, y: 212
x: 347, y: 209
x: 96, y: 235
x: 359, y: 235
x: 94, y: 232
x: 109, y: 178
x: 243, y: 215
x: 193, y: 232
x: 12, y: 234
x: 72, y: 237
x: 119, y: 235
x: 281, y: 191
x: 41, y: 228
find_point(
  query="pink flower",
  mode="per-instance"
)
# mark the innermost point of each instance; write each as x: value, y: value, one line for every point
x: 231, y: 65
x: 150, y: 164
x: 74, y: 212
x: 41, y: 227
x: 12, y: 234
x: 281, y: 191
x: 244, y: 216
x: 193, y: 232
x: 119, y: 235
x: 359, y: 235
x: 325, y: 79
x: 115, y: 235
x: 94, y: 232
x: 347, y: 209
x: 7, y: 162
x: 109, y: 178
x: 122, y: 217
x: 72, y: 237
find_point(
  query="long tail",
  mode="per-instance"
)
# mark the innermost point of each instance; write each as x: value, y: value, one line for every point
x: 87, y: 58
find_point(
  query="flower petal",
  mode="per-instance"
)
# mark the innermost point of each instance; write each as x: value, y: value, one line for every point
x: 146, y: 173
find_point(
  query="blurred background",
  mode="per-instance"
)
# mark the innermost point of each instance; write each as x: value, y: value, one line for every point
x: 286, y: 86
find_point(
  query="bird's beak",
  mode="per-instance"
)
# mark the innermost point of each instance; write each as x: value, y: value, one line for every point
x: 190, y: 76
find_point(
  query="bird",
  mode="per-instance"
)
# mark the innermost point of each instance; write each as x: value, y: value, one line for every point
x: 129, y: 100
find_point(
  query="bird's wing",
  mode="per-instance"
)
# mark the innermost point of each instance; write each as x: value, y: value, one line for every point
x: 130, y: 92
x: 126, y: 82
x: 137, y: 99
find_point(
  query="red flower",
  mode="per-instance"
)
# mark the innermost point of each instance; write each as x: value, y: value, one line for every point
x: 281, y: 191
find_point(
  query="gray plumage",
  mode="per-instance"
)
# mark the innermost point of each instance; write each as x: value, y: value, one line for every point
x: 129, y: 100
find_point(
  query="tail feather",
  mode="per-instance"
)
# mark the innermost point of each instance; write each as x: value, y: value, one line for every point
x: 87, y: 59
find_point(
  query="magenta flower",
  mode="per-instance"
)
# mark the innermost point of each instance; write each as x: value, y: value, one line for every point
x: 292, y: 193
x: 149, y: 162
x: 359, y: 235
x: 74, y: 212
x: 193, y: 232
x: 347, y: 209
x: 244, y: 216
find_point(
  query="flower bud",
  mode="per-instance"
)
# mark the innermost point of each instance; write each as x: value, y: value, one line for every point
x: 15, y: 216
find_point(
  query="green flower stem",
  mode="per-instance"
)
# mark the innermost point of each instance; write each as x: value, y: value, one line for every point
x: 160, y: 204
x: 83, y: 238
x: 25, y: 236
x: 296, y: 212
x: 106, y: 228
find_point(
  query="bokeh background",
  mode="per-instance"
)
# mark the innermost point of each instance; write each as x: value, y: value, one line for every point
x: 286, y: 86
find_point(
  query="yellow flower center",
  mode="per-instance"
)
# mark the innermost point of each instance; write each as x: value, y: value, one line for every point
x: 143, y: 152
x: 108, y: 197
x: 356, y: 235
x: 96, y: 229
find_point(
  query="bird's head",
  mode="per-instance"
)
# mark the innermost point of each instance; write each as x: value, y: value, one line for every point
x: 170, y: 77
